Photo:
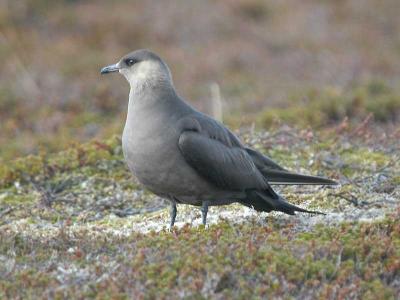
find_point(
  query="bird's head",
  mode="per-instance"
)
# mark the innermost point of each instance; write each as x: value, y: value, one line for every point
x: 142, y: 68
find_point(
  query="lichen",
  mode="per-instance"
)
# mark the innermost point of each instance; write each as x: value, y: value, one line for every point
x: 80, y: 217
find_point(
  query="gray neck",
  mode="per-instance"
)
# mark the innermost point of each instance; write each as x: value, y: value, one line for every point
x: 150, y: 83
x: 149, y: 94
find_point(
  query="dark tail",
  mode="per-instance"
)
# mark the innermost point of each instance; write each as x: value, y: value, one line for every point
x: 268, y: 201
x: 286, y: 178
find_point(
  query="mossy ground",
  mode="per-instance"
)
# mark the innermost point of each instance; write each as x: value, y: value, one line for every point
x: 77, y: 224
x: 321, y: 107
x: 302, y: 62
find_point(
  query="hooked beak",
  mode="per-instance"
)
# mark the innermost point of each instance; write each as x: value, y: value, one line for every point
x: 110, y: 69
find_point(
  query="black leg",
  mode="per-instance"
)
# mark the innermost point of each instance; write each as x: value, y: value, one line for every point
x: 204, y: 211
x: 172, y: 213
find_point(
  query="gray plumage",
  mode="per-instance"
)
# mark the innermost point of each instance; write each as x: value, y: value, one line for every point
x: 187, y: 157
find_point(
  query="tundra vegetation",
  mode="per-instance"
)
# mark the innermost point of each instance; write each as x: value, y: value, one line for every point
x: 322, y: 99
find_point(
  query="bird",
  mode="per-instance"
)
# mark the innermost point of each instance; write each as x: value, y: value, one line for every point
x: 186, y: 156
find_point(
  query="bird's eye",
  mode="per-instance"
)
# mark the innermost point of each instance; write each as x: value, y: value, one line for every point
x: 129, y: 62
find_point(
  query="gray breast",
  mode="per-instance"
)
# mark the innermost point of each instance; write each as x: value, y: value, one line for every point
x: 153, y: 156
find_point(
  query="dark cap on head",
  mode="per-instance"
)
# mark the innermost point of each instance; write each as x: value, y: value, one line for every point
x: 132, y: 58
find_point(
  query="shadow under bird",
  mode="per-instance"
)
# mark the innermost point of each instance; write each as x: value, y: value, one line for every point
x: 187, y: 157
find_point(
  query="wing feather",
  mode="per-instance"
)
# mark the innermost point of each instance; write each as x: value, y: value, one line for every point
x: 226, y: 167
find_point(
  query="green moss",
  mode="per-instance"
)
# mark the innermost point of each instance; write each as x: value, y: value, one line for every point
x: 12, y: 199
x: 359, y: 159
x: 376, y: 290
x: 244, y: 260
x: 64, y: 212
x: 396, y: 180
x: 323, y: 107
x: 385, y: 108
x: 89, y: 155
x: 301, y: 116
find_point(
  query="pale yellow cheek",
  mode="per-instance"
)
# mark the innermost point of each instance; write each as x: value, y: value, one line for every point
x: 146, y: 68
x: 141, y: 73
x: 127, y: 74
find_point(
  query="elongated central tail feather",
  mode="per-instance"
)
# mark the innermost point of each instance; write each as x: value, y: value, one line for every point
x: 286, y: 178
x: 267, y: 201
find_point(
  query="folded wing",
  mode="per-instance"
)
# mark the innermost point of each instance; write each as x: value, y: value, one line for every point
x: 219, y: 157
x: 226, y: 167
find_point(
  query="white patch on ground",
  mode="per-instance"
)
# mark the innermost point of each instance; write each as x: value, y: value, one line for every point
x: 373, y: 207
x: 158, y: 221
